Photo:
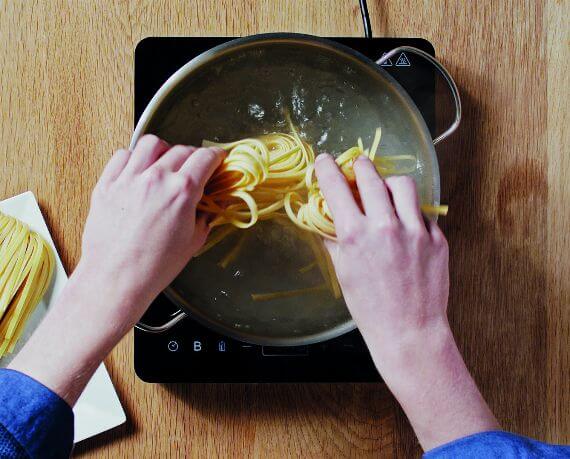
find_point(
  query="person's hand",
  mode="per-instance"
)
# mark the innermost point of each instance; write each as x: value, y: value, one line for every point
x: 392, y: 266
x: 142, y: 227
x: 141, y: 231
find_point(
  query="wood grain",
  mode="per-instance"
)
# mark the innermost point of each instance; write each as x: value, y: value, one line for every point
x: 504, y: 176
x: 558, y: 223
x: 66, y: 103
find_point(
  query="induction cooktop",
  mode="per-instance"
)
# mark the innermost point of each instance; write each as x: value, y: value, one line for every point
x: 189, y: 352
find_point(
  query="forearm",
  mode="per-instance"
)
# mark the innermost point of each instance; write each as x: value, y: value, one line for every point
x: 77, y: 333
x: 428, y: 376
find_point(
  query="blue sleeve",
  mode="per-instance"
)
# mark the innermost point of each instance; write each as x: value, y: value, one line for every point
x: 497, y: 444
x: 34, y: 421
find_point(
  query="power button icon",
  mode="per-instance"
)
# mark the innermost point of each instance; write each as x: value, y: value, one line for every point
x: 172, y: 346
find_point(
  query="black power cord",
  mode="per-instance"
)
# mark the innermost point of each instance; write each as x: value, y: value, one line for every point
x: 365, y: 19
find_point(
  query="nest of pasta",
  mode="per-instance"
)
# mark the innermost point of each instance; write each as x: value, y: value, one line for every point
x: 272, y: 176
x: 26, y: 269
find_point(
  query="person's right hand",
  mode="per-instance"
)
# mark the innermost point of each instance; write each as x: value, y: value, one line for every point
x: 392, y: 266
x: 141, y: 231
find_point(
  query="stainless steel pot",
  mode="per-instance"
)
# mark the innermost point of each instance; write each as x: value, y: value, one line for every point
x: 335, y: 95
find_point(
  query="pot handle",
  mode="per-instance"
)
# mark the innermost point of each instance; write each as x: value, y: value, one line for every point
x: 174, y: 319
x: 446, y: 76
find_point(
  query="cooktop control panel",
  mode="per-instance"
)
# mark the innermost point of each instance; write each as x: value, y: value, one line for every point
x: 191, y: 352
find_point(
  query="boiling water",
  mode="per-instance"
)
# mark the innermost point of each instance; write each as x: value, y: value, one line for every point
x: 332, y: 101
x: 270, y: 261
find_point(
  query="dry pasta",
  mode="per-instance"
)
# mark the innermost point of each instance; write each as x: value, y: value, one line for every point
x: 311, y: 212
x: 26, y: 268
x: 263, y: 177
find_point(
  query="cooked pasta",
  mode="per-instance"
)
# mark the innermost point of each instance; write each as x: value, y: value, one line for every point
x: 26, y: 268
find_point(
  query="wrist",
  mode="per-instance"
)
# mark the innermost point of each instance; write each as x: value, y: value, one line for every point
x: 403, y: 350
x: 426, y: 373
x: 90, y: 316
x: 116, y: 282
x: 126, y: 289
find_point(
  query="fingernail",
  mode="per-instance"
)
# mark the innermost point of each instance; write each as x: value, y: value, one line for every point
x: 321, y: 156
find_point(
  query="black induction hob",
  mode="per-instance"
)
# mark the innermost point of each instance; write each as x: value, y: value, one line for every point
x: 189, y: 352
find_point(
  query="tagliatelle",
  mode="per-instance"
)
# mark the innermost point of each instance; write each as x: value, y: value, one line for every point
x: 263, y: 176
x: 272, y: 177
x: 255, y: 177
x: 312, y: 213
x: 287, y: 293
x: 26, y: 268
x: 232, y: 254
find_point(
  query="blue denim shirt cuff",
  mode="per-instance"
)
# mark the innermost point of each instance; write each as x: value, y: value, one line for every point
x: 40, y: 420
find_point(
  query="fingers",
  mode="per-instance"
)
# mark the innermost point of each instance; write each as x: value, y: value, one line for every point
x: 115, y: 165
x: 406, y: 202
x: 337, y: 192
x: 373, y: 192
x: 201, y: 164
x: 174, y: 158
x: 147, y: 150
x: 436, y: 234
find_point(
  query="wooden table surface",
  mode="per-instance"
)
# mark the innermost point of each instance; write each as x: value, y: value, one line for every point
x: 66, y: 101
